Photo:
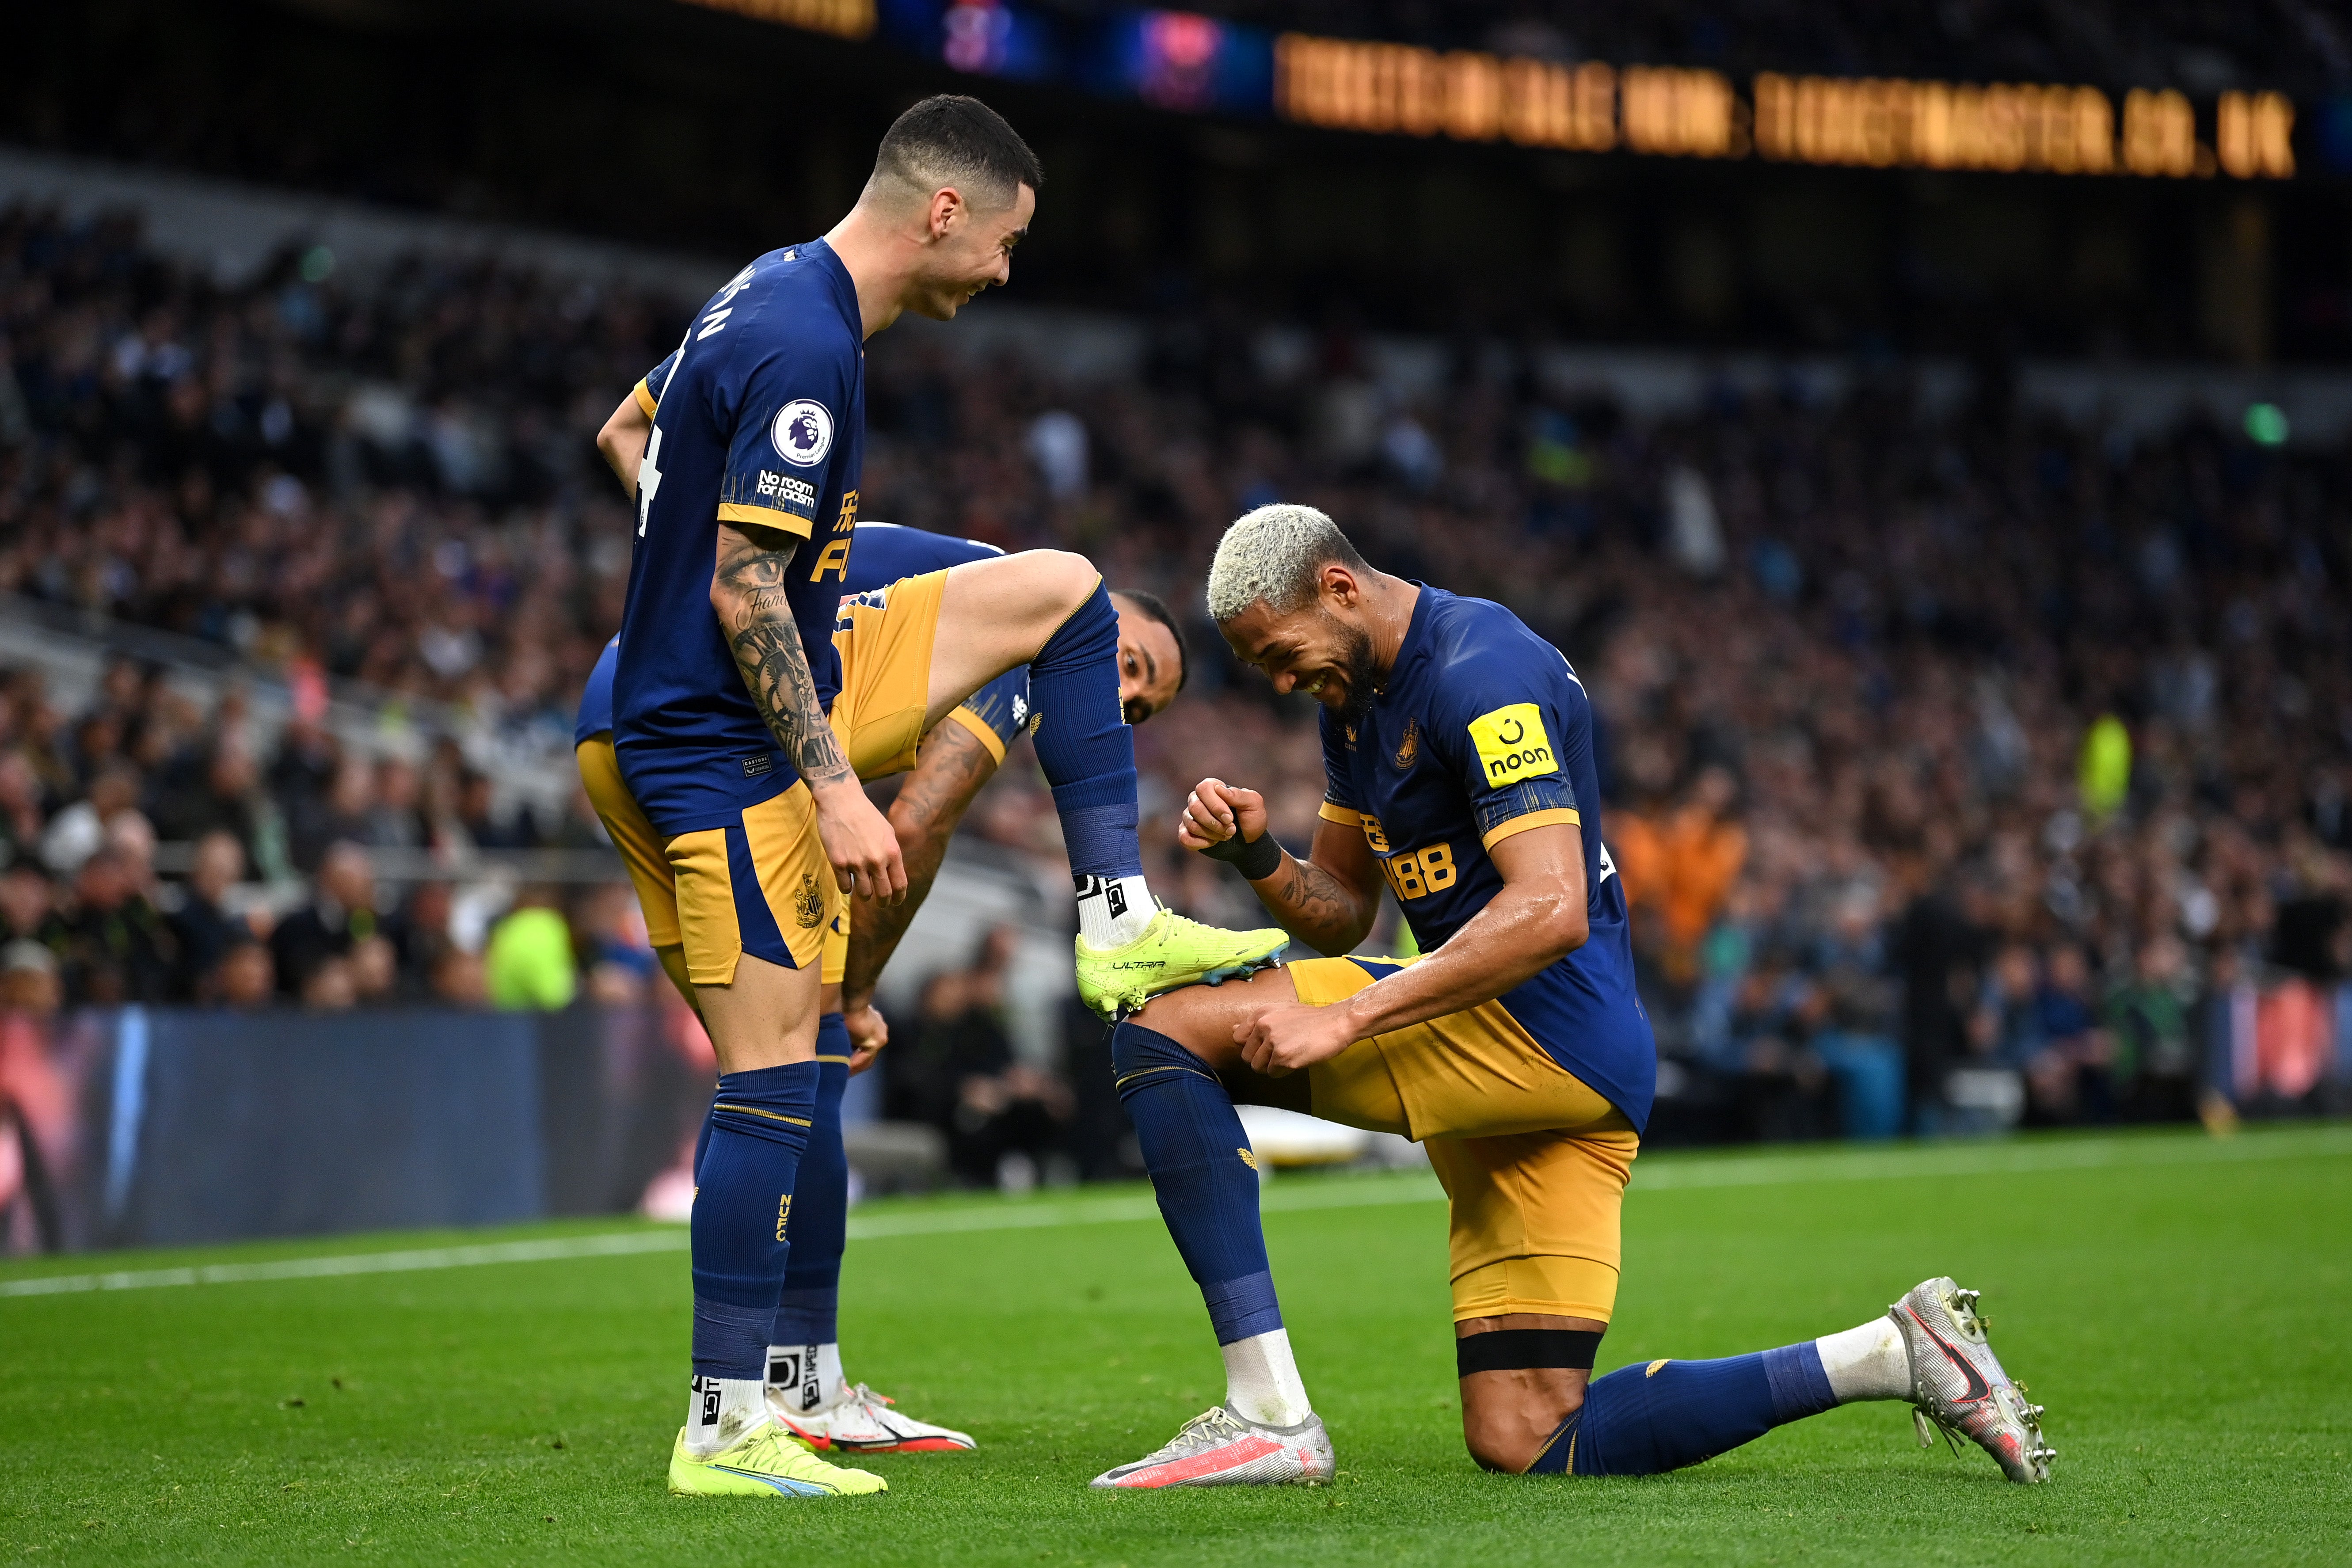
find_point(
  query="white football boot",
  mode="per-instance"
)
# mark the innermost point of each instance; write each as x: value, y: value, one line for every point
x: 1218, y: 1448
x: 862, y: 1422
x: 1957, y: 1384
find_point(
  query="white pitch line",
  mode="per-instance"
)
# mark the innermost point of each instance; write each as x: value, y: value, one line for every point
x: 553, y: 1249
x: 1992, y: 1159
x: 1960, y: 1160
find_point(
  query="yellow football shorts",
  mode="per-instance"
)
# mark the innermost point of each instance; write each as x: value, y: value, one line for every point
x: 645, y: 853
x: 884, y: 638
x: 633, y: 835
x: 759, y: 884
x: 1533, y: 1160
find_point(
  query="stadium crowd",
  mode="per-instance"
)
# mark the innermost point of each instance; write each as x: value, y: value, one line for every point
x: 1959, y: 770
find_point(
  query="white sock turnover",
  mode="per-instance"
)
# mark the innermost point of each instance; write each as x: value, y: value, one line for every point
x: 1113, y: 910
x: 720, y: 1410
x: 829, y: 1382
x: 1867, y: 1363
x: 806, y: 1378
x: 1262, y: 1381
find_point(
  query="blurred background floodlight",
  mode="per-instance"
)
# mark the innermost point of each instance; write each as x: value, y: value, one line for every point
x: 2266, y: 424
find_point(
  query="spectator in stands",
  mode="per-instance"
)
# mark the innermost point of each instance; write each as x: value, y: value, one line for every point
x: 376, y: 969
x: 203, y: 927
x: 2007, y: 1029
x: 28, y: 909
x: 226, y: 797
x: 393, y: 822
x: 117, y: 947
x: 1936, y: 949
x: 332, y: 986
x: 301, y: 781
x: 345, y: 811
x: 2150, y: 1020
x: 21, y: 822
x: 528, y: 965
x: 2069, y: 1077
x: 421, y: 934
x: 339, y: 914
x: 958, y: 1072
x: 74, y: 834
x: 1681, y: 867
x: 29, y: 980
x: 458, y: 979
x: 1858, y: 1005
x: 620, y: 965
x: 245, y: 977
x: 482, y: 828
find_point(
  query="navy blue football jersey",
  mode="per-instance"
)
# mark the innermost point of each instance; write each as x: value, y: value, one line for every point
x: 596, y: 697
x: 759, y: 421
x: 887, y: 552
x: 1482, y: 732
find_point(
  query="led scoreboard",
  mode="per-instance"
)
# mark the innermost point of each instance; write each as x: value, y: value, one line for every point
x: 1191, y: 63
x: 1348, y: 85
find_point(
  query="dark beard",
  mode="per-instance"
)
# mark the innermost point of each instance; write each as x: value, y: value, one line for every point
x: 1356, y: 662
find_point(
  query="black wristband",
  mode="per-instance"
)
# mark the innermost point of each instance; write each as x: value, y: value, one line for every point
x: 1509, y: 1349
x: 1256, y: 858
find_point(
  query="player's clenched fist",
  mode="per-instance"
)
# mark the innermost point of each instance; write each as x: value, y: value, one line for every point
x: 1216, y: 811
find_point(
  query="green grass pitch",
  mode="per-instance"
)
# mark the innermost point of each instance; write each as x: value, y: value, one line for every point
x: 2177, y: 1302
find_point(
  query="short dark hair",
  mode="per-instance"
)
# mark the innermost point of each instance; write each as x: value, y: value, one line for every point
x: 948, y: 138
x: 1152, y: 605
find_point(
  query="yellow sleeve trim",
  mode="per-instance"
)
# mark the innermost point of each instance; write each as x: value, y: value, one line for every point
x: 1345, y: 815
x: 646, y: 400
x: 765, y: 517
x: 1557, y: 816
x: 983, y: 729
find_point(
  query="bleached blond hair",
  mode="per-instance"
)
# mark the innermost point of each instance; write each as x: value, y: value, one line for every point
x: 1274, y: 554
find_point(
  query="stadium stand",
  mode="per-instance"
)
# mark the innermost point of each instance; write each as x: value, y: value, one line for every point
x: 1966, y: 761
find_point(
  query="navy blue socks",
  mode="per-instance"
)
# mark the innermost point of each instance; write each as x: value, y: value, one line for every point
x: 807, y: 1313
x: 759, y: 1128
x: 1083, y: 741
x: 1203, y: 1175
x: 1645, y: 1420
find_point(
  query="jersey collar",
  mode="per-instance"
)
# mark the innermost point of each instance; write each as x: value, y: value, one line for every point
x: 1409, y: 646
x: 844, y: 287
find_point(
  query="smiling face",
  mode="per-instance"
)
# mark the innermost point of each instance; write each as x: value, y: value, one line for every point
x: 1150, y: 665
x: 970, y: 249
x: 1321, y: 648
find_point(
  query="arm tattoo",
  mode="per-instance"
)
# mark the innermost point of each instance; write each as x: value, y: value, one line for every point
x: 1313, y: 897
x: 766, y: 642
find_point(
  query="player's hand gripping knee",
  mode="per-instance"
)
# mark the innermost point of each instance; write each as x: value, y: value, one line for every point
x: 859, y: 842
x: 1215, y: 811
x: 1291, y: 1037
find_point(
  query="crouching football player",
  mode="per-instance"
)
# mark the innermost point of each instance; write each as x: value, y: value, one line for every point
x: 807, y: 1389
x: 1458, y: 755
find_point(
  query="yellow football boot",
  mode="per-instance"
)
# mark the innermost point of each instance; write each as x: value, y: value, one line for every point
x: 766, y: 1461
x: 1170, y: 953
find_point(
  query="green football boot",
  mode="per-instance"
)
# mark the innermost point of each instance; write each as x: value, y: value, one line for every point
x: 766, y: 1461
x: 1171, y: 953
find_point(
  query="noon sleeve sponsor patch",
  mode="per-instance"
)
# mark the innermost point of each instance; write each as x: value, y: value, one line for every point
x: 1513, y: 745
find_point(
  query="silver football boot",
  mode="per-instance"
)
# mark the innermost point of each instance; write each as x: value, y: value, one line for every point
x: 1218, y: 1448
x: 1957, y: 1384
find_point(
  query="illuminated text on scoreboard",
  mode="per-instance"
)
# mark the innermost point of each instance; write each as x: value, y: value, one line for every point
x: 1472, y: 96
